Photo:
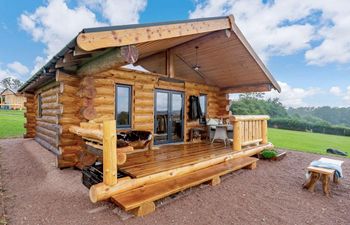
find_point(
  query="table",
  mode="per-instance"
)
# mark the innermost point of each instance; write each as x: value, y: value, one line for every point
x: 323, y: 174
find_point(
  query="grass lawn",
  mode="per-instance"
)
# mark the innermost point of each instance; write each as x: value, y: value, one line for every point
x: 11, y: 123
x: 308, y: 142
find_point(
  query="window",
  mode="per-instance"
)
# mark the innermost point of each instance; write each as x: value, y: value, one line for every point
x: 40, y: 102
x: 203, y: 104
x: 123, y: 105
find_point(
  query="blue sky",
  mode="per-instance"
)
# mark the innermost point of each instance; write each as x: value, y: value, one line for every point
x: 304, y: 44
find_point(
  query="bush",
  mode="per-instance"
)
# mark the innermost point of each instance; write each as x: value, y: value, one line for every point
x: 268, y: 154
x: 294, y: 123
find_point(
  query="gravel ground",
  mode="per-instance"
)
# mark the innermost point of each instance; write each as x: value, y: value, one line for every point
x: 38, y: 193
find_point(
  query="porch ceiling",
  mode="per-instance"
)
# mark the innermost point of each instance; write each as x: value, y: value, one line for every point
x: 223, y: 58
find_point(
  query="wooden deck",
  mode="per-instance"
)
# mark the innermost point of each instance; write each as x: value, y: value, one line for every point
x: 169, y: 157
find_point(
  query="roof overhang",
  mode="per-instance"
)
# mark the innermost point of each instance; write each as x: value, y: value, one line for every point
x: 226, y: 58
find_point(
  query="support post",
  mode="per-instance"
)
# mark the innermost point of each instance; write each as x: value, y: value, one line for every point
x: 237, y: 145
x: 109, y: 153
x: 264, y: 131
x: 170, y: 63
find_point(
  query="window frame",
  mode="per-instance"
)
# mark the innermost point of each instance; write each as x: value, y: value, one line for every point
x: 40, y: 104
x: 205, y: 111
x: 128, y: 126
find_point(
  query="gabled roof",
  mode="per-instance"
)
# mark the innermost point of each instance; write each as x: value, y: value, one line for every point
x: 7, y: 89
x: 224, y: 54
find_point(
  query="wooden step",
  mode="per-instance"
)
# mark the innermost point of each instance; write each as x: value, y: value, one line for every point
x: 144, y: 196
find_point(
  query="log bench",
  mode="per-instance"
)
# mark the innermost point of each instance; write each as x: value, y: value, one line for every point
x: 140, y: 201
x: 323, y: 174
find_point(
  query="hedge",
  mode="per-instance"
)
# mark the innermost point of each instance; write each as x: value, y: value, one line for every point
x: 302, y: 125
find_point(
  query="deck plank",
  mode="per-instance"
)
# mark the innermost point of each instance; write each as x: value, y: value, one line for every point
x: 149, y: 193
x: 169, y: 157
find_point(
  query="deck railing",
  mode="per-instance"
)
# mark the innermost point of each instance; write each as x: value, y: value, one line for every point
x: 248, y: 130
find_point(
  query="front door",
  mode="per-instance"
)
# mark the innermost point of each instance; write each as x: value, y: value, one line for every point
x: 168, y: 116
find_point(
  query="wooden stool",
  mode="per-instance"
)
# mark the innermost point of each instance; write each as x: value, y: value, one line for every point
x: 324, y: 175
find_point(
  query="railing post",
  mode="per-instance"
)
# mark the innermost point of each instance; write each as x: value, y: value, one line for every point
x: 264, y: 131
x: 109, y: 153
x: 237, y: 146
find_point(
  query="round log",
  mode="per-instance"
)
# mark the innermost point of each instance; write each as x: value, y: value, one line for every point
x: 88, y: 133
x: 87, y: 92
x: 50, y: 106
x: 113, y: 58
x: 68, y: 89
x: 50, y: 92
x: 104, y: 100
x: 50, y: 99
x: 88, y: 113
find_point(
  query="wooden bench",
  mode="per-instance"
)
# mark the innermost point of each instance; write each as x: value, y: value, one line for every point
x: 141, y: 200
x: 323, y: 174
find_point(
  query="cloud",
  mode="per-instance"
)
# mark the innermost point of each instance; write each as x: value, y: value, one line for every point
x: 285, y: 27
x: 56, y: 24
x: 335, y: 90
x: 118, y: 12
x: 293, y: 96
x: 4, y: 73
x: 14, y: 70
x: 18, y: 68
x: 346, y: 96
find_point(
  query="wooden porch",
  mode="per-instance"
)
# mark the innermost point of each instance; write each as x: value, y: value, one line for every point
x: 163, y: 170
x: 169, y: 157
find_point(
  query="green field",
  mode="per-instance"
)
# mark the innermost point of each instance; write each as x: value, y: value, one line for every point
x: 11, y: 123
x: 308, y: 142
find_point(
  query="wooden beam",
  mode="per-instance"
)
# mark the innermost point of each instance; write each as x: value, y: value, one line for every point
x: 237, y: 146
x: 109, y: 153
x: 114, y: 38
x: 170, y: 70
x: 249, y: 117
x: 113, y: 58
x: 79, y: 52
x: 248, y: 88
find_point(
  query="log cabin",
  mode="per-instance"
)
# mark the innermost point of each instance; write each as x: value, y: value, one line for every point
x: 11, y: 100
x: 166, y: 79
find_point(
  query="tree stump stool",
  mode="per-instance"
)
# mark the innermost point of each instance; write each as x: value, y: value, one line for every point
x: 323, y: 174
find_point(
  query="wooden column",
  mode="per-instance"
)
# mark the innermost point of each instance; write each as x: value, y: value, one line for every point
x: 264, y: 131
x: 109, y: 153
x: 113, y: 58
x: 237, y: 145
x: 170, y: 63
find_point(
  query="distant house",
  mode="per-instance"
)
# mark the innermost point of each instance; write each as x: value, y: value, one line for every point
x: 11, y: 100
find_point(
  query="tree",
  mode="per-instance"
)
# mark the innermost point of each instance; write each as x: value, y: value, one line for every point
x: 11, y: 83
x: 255, y: 104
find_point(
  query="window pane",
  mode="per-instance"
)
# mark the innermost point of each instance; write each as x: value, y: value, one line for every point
x: 203, y: 103
x: 162, y: 102
x: 40, y: 110
x: 123, y: 105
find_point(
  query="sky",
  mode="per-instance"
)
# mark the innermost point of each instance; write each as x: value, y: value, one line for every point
x: 305, y: 44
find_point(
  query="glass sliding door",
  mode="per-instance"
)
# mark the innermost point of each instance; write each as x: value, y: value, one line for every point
x: 176, y: 117
x: 161, y: 117
x: 168, y: 127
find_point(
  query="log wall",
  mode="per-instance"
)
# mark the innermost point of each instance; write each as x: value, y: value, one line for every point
x: 30, y: 115
x: 143, y: 89
x: 47, y: 127
x: 71, y: 146
x: 71, y: 100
